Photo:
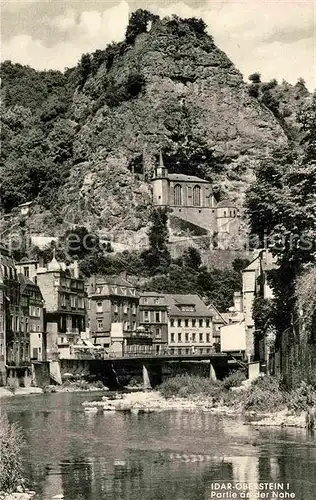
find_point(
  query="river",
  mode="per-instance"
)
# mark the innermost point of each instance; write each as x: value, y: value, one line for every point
x: 157, y: 456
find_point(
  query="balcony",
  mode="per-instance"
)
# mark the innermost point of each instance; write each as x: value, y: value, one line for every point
x: 72, y: 331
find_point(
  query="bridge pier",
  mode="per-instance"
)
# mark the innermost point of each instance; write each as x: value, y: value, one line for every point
x: 146, y: 378
x: 212, y: 372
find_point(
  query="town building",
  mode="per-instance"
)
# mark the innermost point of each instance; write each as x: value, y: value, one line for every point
x: 192, y: 199
x: 190, y: 326
x: 65, y: 304
x: 113, y: 306
x: 153, y: 318
x: 218, y: 321
x: 21, y: 321
x: 32, y: 320
x: 254, y: 284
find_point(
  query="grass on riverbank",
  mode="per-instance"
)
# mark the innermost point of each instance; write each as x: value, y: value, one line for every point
x: 11, y: 466
x: 265, y: 394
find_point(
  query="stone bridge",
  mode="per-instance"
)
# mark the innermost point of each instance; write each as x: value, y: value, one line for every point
x: 116, y: 372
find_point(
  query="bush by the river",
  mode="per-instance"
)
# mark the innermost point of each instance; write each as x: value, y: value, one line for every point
x: 186, y: 386
x: 301, y: 398
x: 11, y: 466
x: 265, y: 394
x: 234, y: 379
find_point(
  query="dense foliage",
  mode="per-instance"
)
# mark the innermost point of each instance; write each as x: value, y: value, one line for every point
x: 11, y: 462
x: 281, y: 206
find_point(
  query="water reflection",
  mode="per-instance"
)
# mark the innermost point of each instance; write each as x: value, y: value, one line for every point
x: 179, y: 456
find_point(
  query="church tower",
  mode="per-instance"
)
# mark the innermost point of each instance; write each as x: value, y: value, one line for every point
x: 161, y: 184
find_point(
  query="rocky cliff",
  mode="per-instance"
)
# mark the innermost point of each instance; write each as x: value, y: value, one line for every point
x: 170, y: 89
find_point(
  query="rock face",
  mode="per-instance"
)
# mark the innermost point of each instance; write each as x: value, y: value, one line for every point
x: 171, y: 89
x: 191, y: 90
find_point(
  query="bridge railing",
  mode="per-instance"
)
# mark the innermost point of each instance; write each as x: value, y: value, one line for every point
x: 158, y: 355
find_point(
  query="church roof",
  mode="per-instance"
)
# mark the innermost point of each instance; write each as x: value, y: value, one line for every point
x: 225, y: 203
x: 185, y: 178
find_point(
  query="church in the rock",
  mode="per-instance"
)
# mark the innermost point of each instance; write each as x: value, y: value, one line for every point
x: 192, y: 199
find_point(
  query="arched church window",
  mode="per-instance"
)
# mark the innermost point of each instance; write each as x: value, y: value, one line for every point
x: 177, y: 194
x: 197, y: 196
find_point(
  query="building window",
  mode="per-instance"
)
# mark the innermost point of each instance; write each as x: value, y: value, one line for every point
x: 146, y: 316
x: 193, y: 337
x: 172, y: 322
x: 207, y: 323
x: 193, y: 323
x: 187, y: 337
x: 200, y: 322
x: 26, y: 271
x: 177, y: 195
x: 99, y: 307
x: 145, y: 301
x: 201, y: 337
x: 134, y: 308
x: 187, y: 351
x: 172, y: 337
x: 179, y: 351
x: 186, y: 322
x: 73, y: 301
x: 179, y: 337
x: 156, y: 300
x: 158, y: 332
x: 224, y: 213
x: 197, y: 196
x: 157, y: 317
x: 125, y: 307
x: 115, y: 307
x: 179, y: 322
x: 100, y: 324
x: 208, y: 337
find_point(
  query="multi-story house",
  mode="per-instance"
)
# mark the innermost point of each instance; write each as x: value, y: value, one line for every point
x: 9, y: 307
x: 113, y: 312
x: 190, y: 328
x: 32, y: 306
x: 65, y: 306
x: 21, y: 320
x: 254, y: 284
x: 153, y: 318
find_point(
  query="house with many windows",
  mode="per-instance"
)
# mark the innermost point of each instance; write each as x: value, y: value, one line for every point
x: 112, y: 300
x: 190, y: 326
x: 65, y: 306
x: 153, y: 318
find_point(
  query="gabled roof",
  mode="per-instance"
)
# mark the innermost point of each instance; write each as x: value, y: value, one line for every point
x: 216, y: 312
x: 175, y: 301
x: 113, y: 280
x: 185, y: 178
x: 226, y: 204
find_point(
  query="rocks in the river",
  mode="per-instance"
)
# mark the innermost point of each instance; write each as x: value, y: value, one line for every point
x: 282, y: 418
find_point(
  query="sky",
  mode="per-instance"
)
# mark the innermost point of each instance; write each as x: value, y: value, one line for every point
x: 277, y: 38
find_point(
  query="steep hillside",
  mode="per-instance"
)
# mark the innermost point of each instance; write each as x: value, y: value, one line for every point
x: 87, y: 149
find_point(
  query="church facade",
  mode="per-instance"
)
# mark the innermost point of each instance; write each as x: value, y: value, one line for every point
x: 192, y: 199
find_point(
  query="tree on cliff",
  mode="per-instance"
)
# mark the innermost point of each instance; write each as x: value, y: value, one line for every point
x: 157, y: 257
x: 138, y: 24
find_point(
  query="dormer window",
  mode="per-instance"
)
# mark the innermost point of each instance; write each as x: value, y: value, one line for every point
x: 188, y: 308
